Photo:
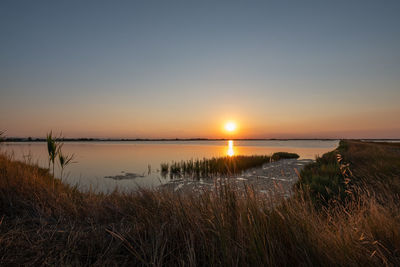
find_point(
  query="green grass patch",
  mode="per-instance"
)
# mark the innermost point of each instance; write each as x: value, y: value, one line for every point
x: 333, y: 176
x: 284, y: 155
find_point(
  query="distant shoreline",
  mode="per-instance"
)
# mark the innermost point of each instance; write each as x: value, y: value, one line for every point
x: 28, y: 139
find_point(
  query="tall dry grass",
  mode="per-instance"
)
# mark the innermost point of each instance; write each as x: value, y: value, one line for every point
x: 40, y: 225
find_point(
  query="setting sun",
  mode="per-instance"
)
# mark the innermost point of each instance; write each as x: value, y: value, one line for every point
x: 230, y: 126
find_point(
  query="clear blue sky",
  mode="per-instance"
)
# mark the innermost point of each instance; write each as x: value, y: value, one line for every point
x: 183, y: 68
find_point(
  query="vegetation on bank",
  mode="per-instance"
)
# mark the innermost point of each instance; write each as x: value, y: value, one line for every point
x: 42, y: 224
x: 339, y: 174
x: 54, y: 150
x: 220, y: 166
x: 325, y: 179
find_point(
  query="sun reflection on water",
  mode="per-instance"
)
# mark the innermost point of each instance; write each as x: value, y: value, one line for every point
x: 230, y: 152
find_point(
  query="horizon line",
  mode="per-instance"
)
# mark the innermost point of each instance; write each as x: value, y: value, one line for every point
x: 93, y: 139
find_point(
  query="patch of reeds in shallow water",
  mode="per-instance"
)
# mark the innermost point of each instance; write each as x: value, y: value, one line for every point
x: 219, y: 166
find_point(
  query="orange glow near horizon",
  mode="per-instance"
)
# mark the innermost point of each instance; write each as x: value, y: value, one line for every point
x: 85, y: 125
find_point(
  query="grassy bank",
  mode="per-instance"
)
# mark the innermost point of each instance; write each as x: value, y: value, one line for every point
x: 44, y: 222
x: 354, y: 165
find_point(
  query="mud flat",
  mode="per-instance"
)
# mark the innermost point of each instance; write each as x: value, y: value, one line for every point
x: 279, y: 175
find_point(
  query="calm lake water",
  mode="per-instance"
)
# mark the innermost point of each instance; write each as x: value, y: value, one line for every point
x: 94, y: 161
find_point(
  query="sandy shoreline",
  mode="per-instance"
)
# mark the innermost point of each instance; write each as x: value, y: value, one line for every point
x: 281, y: 174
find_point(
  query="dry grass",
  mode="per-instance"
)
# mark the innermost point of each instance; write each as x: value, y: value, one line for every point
x: 40, y: 225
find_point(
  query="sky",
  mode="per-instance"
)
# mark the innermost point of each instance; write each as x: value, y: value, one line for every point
x: 182, y: 69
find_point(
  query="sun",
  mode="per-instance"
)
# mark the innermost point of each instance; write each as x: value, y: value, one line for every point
x: 230, y: 126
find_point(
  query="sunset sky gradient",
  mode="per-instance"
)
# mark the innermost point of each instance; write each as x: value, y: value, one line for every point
x: 180, y: 69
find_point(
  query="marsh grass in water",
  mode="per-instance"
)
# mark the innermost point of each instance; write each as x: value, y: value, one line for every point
x: 284, y: 155
x: 219, y: 166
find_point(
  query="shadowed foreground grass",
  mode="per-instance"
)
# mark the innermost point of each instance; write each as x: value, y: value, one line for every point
x: 45, y: 225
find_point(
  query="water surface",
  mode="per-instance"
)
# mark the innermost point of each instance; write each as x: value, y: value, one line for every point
x: 97, y: 160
